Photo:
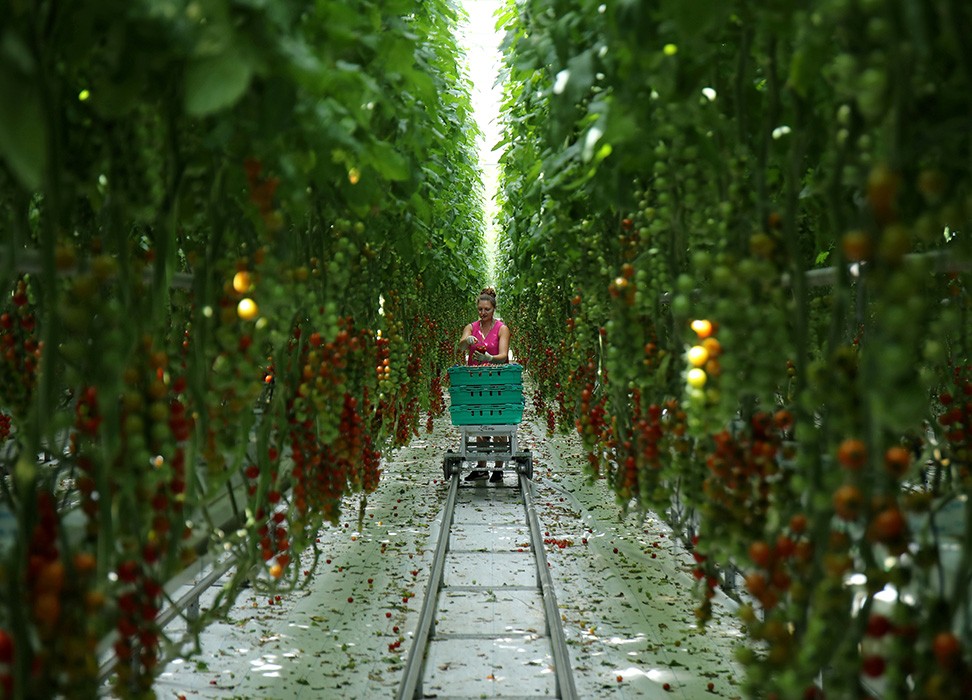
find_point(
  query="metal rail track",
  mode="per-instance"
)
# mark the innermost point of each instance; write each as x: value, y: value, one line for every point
x: 489, y: 623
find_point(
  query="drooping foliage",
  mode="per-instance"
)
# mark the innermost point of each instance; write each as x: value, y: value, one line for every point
x: 737, y: 263
x: 235, y: 241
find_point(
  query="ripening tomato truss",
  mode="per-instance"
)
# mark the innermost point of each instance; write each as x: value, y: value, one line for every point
x: 266, y: 317
x: 676, y: 238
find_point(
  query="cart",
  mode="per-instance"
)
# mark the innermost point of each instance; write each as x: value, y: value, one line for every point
x: 487, y: 402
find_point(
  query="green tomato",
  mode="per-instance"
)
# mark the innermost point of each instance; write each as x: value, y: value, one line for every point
x: 685, y: 283
x: 681, y: 306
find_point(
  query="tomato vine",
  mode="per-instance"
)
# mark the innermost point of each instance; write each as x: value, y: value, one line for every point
x: 668, y: 163
x: 235, y: 235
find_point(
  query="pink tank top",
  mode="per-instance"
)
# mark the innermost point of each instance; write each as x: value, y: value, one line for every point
x: 491, y: 341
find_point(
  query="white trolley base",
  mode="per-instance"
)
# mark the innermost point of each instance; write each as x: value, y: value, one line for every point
x: 501, y: 447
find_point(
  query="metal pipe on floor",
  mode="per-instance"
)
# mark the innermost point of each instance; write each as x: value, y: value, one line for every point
x: 415, y: 664
x: 566, y: 690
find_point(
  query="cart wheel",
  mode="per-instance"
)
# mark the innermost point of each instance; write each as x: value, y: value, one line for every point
x: 525, y: 465
x: 447, y: 464
x: 451, y: 465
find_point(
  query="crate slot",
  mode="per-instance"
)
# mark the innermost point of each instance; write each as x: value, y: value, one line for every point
x: 489, y: 394
x: 464, y: 375
x: 479, y: 414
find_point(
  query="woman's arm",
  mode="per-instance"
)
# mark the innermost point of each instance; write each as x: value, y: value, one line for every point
x: 464, y: 340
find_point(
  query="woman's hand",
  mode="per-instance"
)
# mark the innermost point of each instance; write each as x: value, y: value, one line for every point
x: 482, y: 357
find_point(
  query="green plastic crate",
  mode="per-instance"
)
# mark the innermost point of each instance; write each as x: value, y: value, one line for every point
x: 500, y: 414
x: 486, y: 394
x: 462, y: 375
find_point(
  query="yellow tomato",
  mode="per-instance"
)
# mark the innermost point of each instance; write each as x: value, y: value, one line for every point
x: 702, y: 327
x: 698, y: 356
x: 242, y: 281
x: 247, y: 309
x: 696, y: 378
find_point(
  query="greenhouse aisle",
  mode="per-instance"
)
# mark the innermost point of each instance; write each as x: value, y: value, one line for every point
x: 623, y: 585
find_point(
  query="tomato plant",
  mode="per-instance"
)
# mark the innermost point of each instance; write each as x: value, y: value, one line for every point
x: 675, y: 179
x: 236, y: 241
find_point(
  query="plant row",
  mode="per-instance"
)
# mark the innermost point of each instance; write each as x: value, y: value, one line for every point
x: 736, y: 263
x: 237, y: 239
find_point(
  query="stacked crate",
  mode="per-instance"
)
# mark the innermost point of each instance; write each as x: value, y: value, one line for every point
x: 486, y: 395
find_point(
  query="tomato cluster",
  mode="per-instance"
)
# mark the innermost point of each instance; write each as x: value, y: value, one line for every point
x: 641, y: 452
x: 383, y: 368
x: 20, y: 350
x: 64, y: 601
x: 436, y: 402
x: 768, y: 188
x: 591, y: 414
x: 274, y: 539
x: 46, y: 570
x: 261, y: 191
x: 6, y: 662
x: 741, y: 468
x: 87, y: 425
x: 956, y: 421
x: 138, y: 598
x: 328, y: 448
x: 221, y: 275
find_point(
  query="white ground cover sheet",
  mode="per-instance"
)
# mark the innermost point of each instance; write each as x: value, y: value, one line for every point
x: 624, y: 587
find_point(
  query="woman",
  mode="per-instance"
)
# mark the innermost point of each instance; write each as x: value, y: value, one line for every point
x: 487, y: 342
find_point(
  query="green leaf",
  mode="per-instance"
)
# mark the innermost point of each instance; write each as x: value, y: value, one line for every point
x: 389, y: 162
x: 216, y: 82
x: 581, y: 71
x: 696, y: 17
x: 806, y: 66
x: 419, y: 207
x: 23, y: 142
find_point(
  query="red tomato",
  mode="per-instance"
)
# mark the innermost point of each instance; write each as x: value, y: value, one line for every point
x: 6, y: 647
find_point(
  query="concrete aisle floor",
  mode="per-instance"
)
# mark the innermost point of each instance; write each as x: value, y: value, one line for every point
x: 490, y: 621
x: 623, y: 585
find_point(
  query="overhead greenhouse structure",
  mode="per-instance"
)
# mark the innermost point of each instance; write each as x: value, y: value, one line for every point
x: 240, y: 240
